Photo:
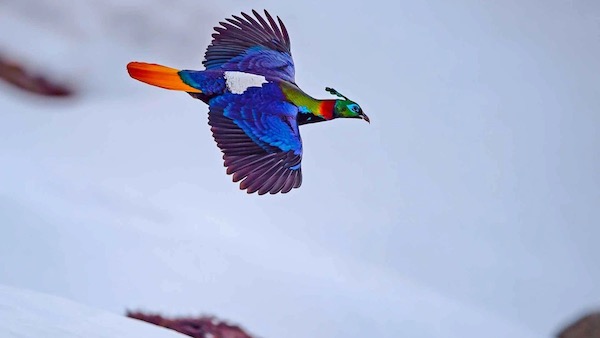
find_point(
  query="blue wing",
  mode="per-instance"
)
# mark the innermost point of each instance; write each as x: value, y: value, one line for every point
x: 259, y: 137
x: 253, y: 46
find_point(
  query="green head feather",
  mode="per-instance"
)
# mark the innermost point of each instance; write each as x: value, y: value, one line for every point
x: 346, y: 107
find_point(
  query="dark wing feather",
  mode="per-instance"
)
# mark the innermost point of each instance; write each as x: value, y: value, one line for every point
x: 252, y: 45
x: 259, y: 138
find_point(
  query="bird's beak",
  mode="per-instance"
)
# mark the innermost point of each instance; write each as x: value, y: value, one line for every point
x: 365, y: 117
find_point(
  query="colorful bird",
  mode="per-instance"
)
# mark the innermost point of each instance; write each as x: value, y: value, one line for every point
x: 255, y: 106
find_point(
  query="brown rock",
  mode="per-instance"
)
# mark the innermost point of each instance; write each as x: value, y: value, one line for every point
x: 197, y: 327
x: 18, y: 76
x: 586, y: 327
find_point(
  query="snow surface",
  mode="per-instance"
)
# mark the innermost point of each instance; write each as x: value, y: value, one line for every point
x: 468, y: 208
x: 25, y: 314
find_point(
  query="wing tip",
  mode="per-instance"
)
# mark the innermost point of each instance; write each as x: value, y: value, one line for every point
x: 282, y: 185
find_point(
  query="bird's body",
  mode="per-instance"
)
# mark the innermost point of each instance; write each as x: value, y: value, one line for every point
x: 255, y: 107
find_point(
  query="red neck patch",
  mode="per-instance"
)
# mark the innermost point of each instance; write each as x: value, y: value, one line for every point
x: 326, y: 109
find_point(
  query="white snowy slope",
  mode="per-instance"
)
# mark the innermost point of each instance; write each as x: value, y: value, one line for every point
x: 468, y: 208
x: 131, y: 241
x: 28, y: 314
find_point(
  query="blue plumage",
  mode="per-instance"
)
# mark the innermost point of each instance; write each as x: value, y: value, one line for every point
x: 209, y: 82
x: 265, y: 62
x: 264, y: 115
x: 262, y: 123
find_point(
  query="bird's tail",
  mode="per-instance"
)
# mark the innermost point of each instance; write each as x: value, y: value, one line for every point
x: 159, y: 76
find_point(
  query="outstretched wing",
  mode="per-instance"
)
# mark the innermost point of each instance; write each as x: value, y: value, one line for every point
x: 259, y: 137
x: 252, y: 45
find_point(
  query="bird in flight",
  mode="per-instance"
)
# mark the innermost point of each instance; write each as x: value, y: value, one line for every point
x: 255, y: 106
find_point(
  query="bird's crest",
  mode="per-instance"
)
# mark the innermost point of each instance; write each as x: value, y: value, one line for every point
x: 336, y: 93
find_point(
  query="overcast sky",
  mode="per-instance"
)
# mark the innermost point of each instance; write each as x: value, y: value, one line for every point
x: 475, y: 185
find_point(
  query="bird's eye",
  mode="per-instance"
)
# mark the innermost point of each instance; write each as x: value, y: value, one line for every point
x: 354, y: 108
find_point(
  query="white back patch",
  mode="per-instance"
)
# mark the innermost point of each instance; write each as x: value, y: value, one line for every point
x: 239, y: 82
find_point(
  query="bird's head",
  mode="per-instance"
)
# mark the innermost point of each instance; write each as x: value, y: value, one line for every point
x: 347, y: 108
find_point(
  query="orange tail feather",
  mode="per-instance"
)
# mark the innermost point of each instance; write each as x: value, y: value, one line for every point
x: 159, y: 76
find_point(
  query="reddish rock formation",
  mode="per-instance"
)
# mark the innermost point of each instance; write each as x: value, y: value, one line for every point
x: 16, y: 75
x: 197, y: 327
x: 586, y: 327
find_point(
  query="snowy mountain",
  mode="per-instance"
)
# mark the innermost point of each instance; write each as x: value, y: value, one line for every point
x: 25, y: 314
